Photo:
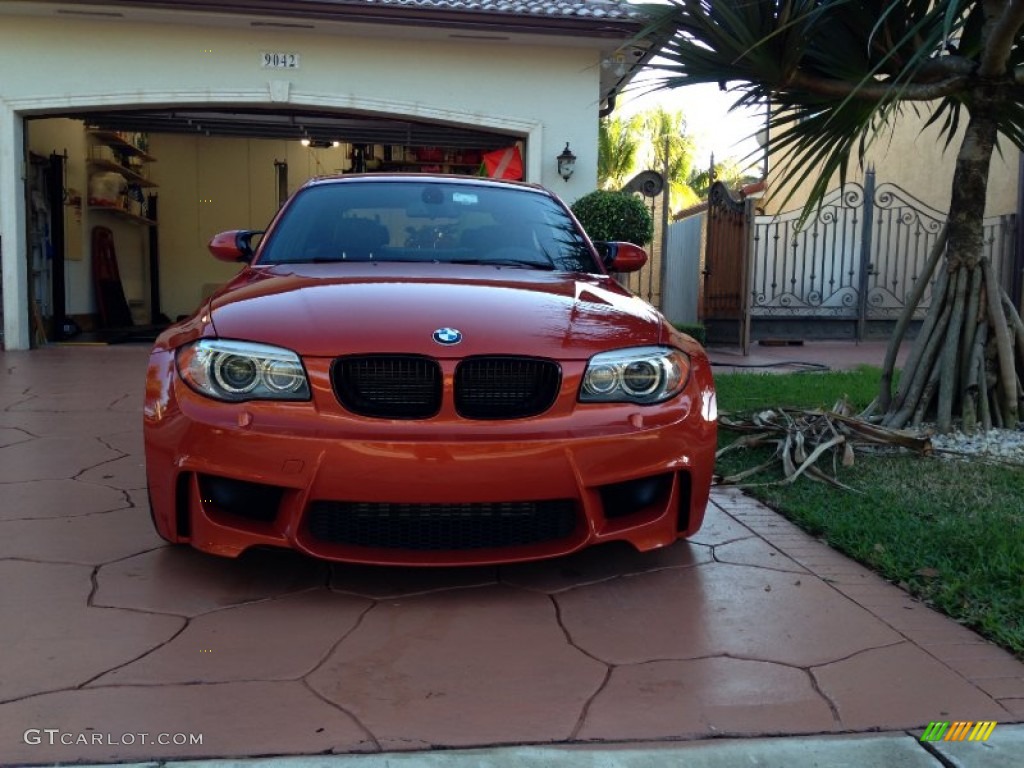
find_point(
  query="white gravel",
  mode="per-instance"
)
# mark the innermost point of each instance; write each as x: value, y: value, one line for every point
x: 997, y: 444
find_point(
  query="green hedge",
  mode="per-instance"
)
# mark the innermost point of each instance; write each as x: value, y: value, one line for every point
x: 614, y: 216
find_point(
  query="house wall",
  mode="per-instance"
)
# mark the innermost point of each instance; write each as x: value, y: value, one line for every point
x: 551, y: 90
x: 915, y: 158
x: 545, y: 94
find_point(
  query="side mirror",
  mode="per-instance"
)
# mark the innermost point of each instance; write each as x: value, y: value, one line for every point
x: 234, y: 245
x: 622, y: 257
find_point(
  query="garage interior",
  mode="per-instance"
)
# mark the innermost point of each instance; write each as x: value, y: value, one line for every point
x: 132, y: 197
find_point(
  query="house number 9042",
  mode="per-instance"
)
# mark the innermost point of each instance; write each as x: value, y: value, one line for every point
x: 279, y: 60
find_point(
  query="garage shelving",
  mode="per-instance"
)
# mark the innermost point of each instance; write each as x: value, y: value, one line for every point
x: 121, y: 149
x: 130, y: 176
x: 117, y: 142
x: 123, y: 213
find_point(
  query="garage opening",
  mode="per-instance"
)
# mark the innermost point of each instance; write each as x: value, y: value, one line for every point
x: 121, y: 204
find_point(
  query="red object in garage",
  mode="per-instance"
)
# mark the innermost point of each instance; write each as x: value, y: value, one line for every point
x: 504, y: 163
x: 110, y: 299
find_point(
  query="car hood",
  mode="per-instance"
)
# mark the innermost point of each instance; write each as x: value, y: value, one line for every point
x: 331, y: 309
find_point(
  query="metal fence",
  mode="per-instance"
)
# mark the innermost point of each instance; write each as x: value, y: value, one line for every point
x: 684, y: 248
x: 858, y: 256
x: 646, y: 282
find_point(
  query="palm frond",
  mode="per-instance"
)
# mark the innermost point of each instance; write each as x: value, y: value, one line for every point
x: 834, y: 73
x: 618, y: 147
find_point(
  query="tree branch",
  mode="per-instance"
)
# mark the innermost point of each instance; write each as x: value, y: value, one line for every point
x: 1000, y: 39
x: 945, y: 66
x: 875, y: 91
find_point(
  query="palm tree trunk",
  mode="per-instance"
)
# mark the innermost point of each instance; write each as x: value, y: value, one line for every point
x: 944, y: 353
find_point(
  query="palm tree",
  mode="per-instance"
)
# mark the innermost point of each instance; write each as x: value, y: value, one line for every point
x: 618, y: 146
x: 627, y: 145
x: 670, y: 152
x: 836, y: 73
x: 730, y: 172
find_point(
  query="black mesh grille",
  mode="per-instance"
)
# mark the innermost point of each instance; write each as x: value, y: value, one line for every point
x: 441, y: 526
x: 388, y: 386
x: 505, y: 387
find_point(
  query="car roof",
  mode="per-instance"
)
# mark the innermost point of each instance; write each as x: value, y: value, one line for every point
x: 429, y: 178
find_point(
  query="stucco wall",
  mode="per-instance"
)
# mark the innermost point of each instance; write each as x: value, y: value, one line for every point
x: 551, y: 90
x: 915, y: 158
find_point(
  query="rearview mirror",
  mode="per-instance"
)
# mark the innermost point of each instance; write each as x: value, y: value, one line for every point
x: 622, y: 257
x: 234, y: 245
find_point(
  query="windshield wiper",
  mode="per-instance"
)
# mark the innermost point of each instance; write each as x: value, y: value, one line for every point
x: 520, y: 263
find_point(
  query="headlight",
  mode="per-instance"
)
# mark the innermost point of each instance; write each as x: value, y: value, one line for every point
x: 638, y: 375
x: 242, y: 370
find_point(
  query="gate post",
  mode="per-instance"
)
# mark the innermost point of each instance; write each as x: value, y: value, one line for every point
x: 650, y: 184
x: 865, y: 252
x: 746, y: 274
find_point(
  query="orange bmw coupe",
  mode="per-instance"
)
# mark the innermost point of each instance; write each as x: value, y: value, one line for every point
x: 426, y: 370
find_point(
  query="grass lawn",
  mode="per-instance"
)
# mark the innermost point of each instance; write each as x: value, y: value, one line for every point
x: 950, y: 532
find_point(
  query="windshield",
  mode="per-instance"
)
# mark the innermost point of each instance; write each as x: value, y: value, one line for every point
x: 427, y: 221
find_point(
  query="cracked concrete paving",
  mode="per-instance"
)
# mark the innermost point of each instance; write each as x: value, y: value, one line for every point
x: 752, y: 628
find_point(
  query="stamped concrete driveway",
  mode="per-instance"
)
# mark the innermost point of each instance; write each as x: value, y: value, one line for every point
x: 113, y: 642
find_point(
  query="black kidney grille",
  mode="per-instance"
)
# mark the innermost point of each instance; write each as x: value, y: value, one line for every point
x: 441, y: 527
x: 505, y: 387
x: 388, y: 386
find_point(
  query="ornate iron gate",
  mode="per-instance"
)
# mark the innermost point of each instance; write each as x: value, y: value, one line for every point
x: 857, y: 257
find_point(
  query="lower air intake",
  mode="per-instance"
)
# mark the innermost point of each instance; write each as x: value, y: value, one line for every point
x: 441, y: 527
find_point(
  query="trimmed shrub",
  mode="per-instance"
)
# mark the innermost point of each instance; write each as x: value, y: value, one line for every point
x: 614, y: 216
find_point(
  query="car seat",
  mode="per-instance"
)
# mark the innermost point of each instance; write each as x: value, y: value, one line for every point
x: 358, y: 239
x: 483, y: 240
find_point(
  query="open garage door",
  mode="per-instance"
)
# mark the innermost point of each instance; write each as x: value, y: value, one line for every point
x: 368, y: 143
x: 351, y: 128
x: 130, y: 270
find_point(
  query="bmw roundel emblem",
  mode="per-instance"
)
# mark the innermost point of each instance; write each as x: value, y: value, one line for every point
x: 447, y: 336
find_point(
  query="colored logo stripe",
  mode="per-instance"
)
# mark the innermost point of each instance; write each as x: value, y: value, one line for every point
x: 959, y: 730
x: 982, y: 731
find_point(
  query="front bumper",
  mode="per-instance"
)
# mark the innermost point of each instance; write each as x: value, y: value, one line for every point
x: 227, y: 477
